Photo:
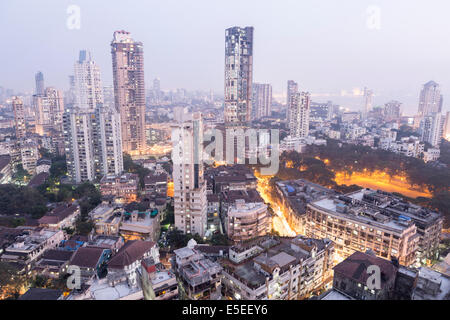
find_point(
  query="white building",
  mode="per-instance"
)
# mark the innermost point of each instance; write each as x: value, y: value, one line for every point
x: 88, y: 84
x: 299, y: 109
x: 92, y: 132
x: 190, y: 203
x: 431, y: 129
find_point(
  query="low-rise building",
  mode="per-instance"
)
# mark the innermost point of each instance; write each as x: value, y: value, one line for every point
x: 272, y: 268
x: 107, y: 219
x: 199, y: 277
x: 140, y: 226
x: 357, y: 225
x: 124, y: 187
x: 294, y: 195
x: 128, y: 260
x: 53, y: 263
x: 155, y: 184
x: 91, y: 262
x: 158, y: 283
x: 30, y: 246
x: 63, y: 216
x: 245, y: 221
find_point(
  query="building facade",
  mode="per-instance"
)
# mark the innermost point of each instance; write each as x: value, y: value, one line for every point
x: 238, y: 75
x: 129, y: 90
x: 190, y: 202
x: 299, y: 109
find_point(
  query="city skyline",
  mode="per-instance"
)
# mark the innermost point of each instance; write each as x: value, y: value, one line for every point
x: 356, y: 54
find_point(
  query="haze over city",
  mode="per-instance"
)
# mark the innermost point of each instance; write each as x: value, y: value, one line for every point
x: 329, y: 47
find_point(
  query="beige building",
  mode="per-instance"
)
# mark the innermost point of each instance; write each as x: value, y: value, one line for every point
x: 124, y: 187
x: 245, y: 221
x: 354, y: 225
x: 129, y: 90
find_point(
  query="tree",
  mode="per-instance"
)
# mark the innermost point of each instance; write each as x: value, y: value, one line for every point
x: 219, y: 239
x: 11, y: 282
x: 21, y: 175
x: 130, y: 166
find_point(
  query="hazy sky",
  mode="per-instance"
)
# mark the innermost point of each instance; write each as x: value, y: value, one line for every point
x: 327, y: 46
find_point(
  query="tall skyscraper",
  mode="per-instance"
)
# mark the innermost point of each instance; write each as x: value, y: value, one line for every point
x: 299, y: 114
x: 19, y: 118
x: 129, y: 90
x: 39, y: 83
x: 238, y: 75
x: 92, y: 131
x: 292, y: 88
x: 262, y: 100
x: 430, y: 100
x: 190, y: 204
x: 368, y: 102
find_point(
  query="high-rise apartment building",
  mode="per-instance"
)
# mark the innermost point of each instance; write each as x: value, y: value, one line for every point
x: 292, y: 88
x: 108, y: 140
x: 88, y: 84
x: 238, y: 75
x: 19, y: 118
x: 92, y: 132
x: 262, y: 100
x: 190, y: 202
x: 39, y: 83
x: 299, y: 109
x: 129, y: 90
x: 431, y: 129
x: 430, y: 100
x: 79, y: 145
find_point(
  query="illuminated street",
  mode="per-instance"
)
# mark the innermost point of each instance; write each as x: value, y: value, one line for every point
x: 279, y: 222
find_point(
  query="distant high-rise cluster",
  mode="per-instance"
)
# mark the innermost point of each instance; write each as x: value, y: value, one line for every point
x: 129, y: 90
x: 238, y: 75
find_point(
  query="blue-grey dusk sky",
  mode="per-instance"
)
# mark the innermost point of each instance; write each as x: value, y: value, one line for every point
x: 327, y: 46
